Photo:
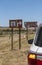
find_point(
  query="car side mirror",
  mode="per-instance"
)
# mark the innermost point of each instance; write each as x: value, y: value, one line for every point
x: 30, y: 41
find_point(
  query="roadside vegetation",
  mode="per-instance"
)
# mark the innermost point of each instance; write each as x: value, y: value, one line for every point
x: 15, y: 56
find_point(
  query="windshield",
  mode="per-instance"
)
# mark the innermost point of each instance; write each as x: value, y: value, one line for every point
x: 38, y: 41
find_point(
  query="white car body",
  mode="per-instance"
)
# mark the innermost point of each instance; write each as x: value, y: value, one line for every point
x: 35, y: 52
x: 33, y: 47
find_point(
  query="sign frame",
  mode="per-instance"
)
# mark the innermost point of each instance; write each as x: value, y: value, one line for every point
x: 15, y: 23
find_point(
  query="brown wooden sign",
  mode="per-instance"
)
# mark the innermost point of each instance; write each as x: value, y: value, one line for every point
x: 15, y: 23
x: 30, y: 24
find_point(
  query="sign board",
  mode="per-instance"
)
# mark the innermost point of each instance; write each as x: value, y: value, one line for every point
x: 15, y: 23
x: 30, y: 24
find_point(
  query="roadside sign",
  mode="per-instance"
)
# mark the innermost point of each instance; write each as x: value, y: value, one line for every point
x: 15, y: 24
x: 28, y: 25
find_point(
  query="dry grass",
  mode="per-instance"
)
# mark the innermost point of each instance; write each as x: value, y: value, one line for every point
x: 15, y: 56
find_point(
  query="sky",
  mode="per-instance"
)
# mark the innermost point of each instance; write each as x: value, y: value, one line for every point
x: 27, y: 10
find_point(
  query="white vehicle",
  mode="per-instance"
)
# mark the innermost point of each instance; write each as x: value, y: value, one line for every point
x: 35, y: 52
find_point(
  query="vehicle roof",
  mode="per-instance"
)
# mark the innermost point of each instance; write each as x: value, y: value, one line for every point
x: 40, y: 25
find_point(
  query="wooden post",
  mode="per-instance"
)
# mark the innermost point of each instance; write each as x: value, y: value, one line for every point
x: 27, y: 33
x: 12, y: 39
x: 19, y: 38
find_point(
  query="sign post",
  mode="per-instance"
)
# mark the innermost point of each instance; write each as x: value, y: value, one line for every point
x: 27, y: 33
x: 12, y: 39
x: 15, y: 24
x: 29, y: 25
x: 25, y: 23
x: 19, y: 37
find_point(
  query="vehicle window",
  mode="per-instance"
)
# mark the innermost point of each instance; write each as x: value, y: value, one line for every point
x: 39, y: 38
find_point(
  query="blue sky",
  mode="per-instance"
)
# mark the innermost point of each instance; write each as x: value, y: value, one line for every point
x: 27, y: 10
